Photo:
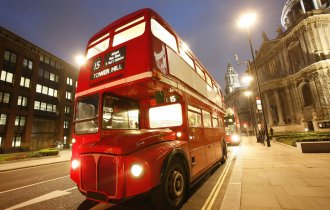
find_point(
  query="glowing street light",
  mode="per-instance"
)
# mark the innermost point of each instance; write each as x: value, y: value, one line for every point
x: 246, y: 21
x: 247, y: 79
x: 80, y: 60
x: 247, y: 93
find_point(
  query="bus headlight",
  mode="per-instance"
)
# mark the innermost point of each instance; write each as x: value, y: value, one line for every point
x: 75, y: 164
x: 235, y: 138
x: 137, y: 170
x: 73, y: 140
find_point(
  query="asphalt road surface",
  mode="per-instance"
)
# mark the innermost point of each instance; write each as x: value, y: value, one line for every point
x: 50, y: 187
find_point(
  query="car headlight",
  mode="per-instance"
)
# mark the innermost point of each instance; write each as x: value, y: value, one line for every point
x: 137, y: 170
x: 235, y: 138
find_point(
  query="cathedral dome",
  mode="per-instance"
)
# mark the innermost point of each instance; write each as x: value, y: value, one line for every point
x: 293, y: 9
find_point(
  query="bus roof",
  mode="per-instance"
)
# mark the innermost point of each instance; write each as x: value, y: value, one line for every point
x: 150, y: 13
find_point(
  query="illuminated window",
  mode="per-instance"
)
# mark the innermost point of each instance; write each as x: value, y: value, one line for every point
x: 67, y: 110
x: 38, y: 88
x: 4, y: 97
x: 120, y: 113
x: 208, y: 80
x: 200, y: 72
x: 195, y: 119
x: 37, y: 105
x: 69, y: 81
x: 22, y: 101
x: 98, y: 48
x: 25, y: 82
x: 10, y: 57
x: 66, y: 124
x: 165, y: 116
x: 206, y: 119
x: 6, y: 76
x: 44, y: 90
x: 43, y: 106
x: 27, y: 64
x: 129, y: 34
x: 185, y: 56
x: 68, y: 95
x: 3, y: 119
x: 215, y: 122
x: 165, y: 36
x: 20, y: 121
x: 17, y: 139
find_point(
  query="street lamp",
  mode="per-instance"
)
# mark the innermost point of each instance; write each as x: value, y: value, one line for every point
x: 80, y: 60
x: 246, y: 21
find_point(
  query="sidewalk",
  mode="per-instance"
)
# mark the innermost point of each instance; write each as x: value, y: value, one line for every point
x: 278, y: 177
x: 64, y: 155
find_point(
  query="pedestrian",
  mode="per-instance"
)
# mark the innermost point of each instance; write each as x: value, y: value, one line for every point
x: 271, y: 131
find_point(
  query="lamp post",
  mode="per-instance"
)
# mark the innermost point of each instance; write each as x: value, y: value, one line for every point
x: 246, y: 21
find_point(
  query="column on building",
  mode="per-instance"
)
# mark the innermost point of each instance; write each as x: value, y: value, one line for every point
x: 290, y: 104
x: 302, y: 6
x: 267, y: 109
x: 278, y: 107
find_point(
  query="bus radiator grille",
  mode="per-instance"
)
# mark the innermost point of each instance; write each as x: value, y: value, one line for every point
x: 99, y: 173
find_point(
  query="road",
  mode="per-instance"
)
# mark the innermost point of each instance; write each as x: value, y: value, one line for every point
x: 50, y: 187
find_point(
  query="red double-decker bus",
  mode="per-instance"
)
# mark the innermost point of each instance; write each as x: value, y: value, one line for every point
x: 148, y: 115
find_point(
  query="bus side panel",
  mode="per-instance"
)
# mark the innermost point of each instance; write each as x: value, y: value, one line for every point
x: 210, y: 150
x: 197, y: 150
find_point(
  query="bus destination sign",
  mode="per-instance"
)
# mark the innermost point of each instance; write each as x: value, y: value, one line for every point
x: 115, y: 56
x: 107, y: 71
x: 115, y: 61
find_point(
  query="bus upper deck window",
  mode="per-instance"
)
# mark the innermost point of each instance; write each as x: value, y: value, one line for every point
x: 161, y: 33
x: 129, y: 33
x: 100, y: 47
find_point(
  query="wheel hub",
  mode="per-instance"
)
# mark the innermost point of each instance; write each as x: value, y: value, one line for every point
x: 176, y: 184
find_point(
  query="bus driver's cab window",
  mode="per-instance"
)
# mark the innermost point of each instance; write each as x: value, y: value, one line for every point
x: 120, y: 113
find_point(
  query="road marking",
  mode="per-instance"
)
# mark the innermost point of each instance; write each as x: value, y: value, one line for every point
x: 48, y: 196
x: 216, y: 189
x: 30, y: 185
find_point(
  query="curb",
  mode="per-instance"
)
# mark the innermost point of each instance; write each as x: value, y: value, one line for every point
x: 32, y: 166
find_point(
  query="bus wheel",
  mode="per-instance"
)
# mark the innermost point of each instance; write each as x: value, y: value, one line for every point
x: 172, y: 191
x: 224, y: 152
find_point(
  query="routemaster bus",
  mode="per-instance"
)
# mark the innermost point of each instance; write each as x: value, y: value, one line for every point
x: 232, y: 127
x: 148, y: 115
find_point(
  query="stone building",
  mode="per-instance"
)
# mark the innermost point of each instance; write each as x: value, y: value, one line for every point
x: 36, y: 96
x: 294, y: 68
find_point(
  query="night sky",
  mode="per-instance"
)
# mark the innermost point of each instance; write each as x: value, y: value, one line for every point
x: 209, y: 27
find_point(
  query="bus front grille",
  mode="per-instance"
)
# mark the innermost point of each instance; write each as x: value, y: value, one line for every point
x: 99, y: 173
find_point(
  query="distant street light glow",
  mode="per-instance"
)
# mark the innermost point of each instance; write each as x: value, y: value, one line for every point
x: 247, y: 20
x: 248, y: 93
x: 81, y: 60
x: 247, y: 79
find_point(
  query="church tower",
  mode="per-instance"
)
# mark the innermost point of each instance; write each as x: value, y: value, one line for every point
x: 232, y: 81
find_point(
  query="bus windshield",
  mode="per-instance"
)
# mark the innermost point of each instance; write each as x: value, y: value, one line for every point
x: 86, y: 117
x: 119, y: 113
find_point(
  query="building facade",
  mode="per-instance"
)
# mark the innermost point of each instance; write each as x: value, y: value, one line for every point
x: 36, y: 96
x: 294, y: 69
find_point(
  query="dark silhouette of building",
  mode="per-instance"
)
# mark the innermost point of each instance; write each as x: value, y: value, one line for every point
x: 36, y: 96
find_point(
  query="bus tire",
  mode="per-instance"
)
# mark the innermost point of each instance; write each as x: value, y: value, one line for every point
x: 171, y: 192
x: 224, y: 153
